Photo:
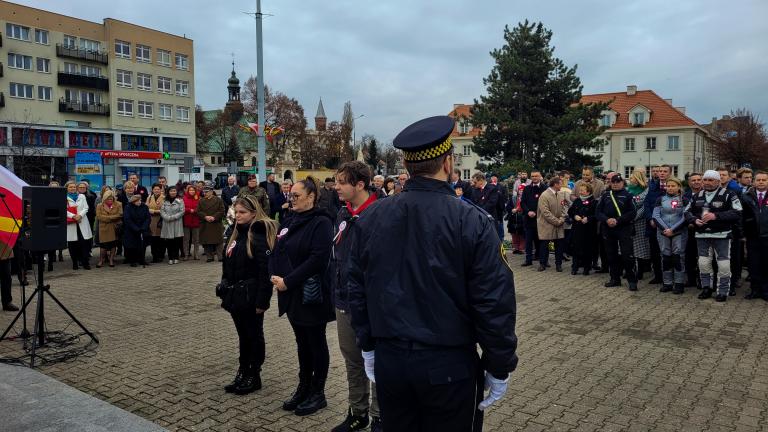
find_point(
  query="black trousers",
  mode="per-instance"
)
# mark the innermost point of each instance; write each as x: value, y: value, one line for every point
x: 737, y: 256
x: 157, y: 248
x: 429, y: 389
x: 620, y: 242
x: 531, y: 240
x: 692, y: 258
x: 78, y: 250
x: 250, y: 333
x: 174, y: 246
x: 5, y: 281
x: 312, y: 348
x: 658, y: 272
x: 544, y: 251
x: 757, y: 251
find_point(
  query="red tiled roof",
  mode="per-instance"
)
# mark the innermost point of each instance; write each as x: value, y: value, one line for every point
x: 662, y: 113
x: 463, y: 111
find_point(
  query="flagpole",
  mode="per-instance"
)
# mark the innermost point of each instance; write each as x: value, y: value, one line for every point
x: 261, y: 145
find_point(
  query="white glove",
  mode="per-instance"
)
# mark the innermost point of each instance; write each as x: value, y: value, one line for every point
x: 368, y: 358
x: 498, y: 389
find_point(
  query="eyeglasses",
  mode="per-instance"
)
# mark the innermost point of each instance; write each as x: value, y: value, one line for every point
x: 294, y: 196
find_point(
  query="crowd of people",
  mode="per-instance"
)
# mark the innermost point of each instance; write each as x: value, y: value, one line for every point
x: 693, y: 233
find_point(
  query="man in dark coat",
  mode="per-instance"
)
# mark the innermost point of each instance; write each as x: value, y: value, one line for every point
x: 616, y: 214
x: 230, y: 191
x: 529, y: 204
x: 141, y: 190
x: 756, y: 231
x: 656, y: 189
x: 428, y: 282
x: 273, y: 190
x: 136, y: 220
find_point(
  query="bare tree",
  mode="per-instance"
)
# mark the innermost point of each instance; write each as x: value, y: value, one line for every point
x: 31, y: 162
x: 391, y: 157
x: 743, y: 139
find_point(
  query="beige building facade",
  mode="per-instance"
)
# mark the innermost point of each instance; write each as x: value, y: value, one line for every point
x: 69, y: 85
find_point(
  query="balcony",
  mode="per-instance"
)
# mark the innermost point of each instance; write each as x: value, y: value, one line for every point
x: 82, y: 80
x: 74, y: 106
x: 82, y: 54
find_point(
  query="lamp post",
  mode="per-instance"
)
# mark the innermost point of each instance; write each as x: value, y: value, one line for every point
x: 354, y: 129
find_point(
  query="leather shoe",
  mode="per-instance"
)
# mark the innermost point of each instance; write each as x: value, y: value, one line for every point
x: 230, y: 388
x: 633, y: 286
x: 678, y: 289
x: 732, y: 291
x: 574, y: 271
x: 10, y: 307
x: 298, y: 396
x: 655, y: 281
x: 542, y: 267
x: 705, y: 294
x: 526, y: 264
x: 721, y: 298
x: 250, y: 383
x: 752, y: 295
x: 665, y: 288
x: 612, y: 283
x: 558, y: 268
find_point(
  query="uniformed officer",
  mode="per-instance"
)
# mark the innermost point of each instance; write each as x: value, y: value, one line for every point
x: 616, y: 214
x: 428, y: 282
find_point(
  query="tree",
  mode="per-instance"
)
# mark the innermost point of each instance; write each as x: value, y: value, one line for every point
x: 371, y: 151
x: 742, y: 140
x: 32, y: 162
x: 531, y: 111
x: 391, y: 157
x: 347, y: 123
x: 219, y: 135
x: 338, y: 148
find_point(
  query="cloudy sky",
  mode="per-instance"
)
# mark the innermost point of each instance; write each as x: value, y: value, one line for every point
x: 398, y: 61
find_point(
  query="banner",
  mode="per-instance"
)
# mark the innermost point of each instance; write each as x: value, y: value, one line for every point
x: 88, y: 166
x: 10, y: 215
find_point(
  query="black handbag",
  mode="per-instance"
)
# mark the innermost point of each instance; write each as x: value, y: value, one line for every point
x: 312, y: 291
x: 237, y: 297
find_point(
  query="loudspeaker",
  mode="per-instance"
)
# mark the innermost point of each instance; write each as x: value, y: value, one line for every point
x: 45, y: 218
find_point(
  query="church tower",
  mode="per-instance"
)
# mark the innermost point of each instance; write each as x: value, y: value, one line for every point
x: 234, y: 106
x: 320, y: 119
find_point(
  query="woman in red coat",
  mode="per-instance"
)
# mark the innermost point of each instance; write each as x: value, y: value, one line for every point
x: 191, y: 223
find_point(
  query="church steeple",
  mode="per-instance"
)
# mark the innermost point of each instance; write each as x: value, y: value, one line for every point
x: 320, y: 119
x: 234, y: 106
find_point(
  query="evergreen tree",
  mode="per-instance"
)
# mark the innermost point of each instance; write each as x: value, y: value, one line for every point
x: 531, y: 114
x: 373, y: 156
x: 233, y: 152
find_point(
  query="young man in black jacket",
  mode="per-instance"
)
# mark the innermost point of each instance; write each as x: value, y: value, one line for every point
x: 352, y: 179
x: 756, y: 231
x: 616, y: 214
x: 529, y: 203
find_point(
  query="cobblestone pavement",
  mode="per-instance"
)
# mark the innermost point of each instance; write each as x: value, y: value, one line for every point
x: 591, y: 358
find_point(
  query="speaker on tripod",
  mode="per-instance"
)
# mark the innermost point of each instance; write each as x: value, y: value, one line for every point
x: 44, y: 228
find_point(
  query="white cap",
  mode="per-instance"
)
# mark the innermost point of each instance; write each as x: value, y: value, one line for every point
x: 711, y: 174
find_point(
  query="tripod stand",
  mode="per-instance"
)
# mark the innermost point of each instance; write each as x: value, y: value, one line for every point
x: 38, y: 339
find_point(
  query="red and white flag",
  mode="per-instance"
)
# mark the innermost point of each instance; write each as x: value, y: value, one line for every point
x: 10, y: 215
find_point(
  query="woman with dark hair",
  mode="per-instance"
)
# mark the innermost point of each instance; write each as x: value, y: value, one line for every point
x: 245, y: 264
x: 191, y: 223
x: 136, y: 229
x: 389, y: 186
x: 298, y: 266
x: 155, y: 203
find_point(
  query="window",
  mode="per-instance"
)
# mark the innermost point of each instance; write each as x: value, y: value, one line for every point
x: 466, y: 174
x: 41, y: 36
x: 43, y: 65
x: 89, y: 98
x: 163, y: 84
x: 145, y: 109
x: 629, y: 144
x: 70, y: 41
x: 143, y: 54
x: 71, y: 68
x: 650, y: 143
x: 182, y: 88
x: 90, y: 45
x: 166, y: 112
x: 15, y: 31
x: 675, y: 170
x: 176, y: 145
x: 122, y: 49
x: 639, y: 119
x: 144, y: 81
x: 605, y: 120
x: 125, y: 107
x: 464, y: 127
x: 182, y: 114
x: 182, y: 62
x: 466, y: 150
x: 18, y: 61
x: 628, y: 169
x: 140, y: 143
x: 164, y: 58
x: 600, y: 147
x: 23, y: 91
x: 91, y: 71
x: 124, y: 78
x: 44, y: 93
x: 673, y: 143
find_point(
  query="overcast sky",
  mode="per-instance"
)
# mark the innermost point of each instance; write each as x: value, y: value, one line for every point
x: 398, y: 61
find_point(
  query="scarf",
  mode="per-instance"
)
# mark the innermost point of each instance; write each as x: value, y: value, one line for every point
x: 73, y: 196
x: 635, y: 190
x: 585, y: 197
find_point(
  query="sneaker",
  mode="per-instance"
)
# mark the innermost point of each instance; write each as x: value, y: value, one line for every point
x: 170, y: 262
x: 352, y: 423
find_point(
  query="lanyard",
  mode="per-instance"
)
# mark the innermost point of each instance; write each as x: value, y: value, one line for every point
x: 615, y: 205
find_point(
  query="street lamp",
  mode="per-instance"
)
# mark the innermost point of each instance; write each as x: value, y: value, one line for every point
x: 354, y: 128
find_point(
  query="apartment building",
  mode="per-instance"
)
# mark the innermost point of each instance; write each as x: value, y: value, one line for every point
x: 644, y: 129
x: 70, y: 86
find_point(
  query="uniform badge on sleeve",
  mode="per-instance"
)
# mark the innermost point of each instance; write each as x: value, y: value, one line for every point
x: 503, y: 253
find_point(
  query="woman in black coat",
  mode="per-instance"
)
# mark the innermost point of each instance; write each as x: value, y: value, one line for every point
x: 135, y: 231
x: 246, y: 262
x: 298, y: 264
x: 583, y: 237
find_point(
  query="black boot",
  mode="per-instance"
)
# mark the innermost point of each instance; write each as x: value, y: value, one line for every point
x: 665, y: 288
x: 315, y: 401
x: 705, y: 293
x: 633, y: 286
x: 586, y: 271
x: 230, y: 388
x: 678, y: 288
x: 613, y: 283
x: 298, y: 396
x: 377, y: 425
x: 352, y: 423
x: 250, y: 382
x: 655, y: 281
